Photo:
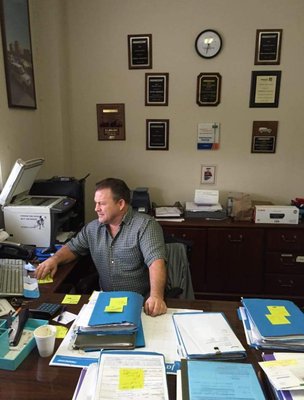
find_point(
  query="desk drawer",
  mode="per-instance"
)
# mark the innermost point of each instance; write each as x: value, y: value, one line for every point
x: 284, y: 284
x: 285, y: 239
x: 284, y: 262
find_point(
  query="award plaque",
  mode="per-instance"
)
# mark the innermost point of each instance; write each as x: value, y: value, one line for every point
x: 140, y: 51
x: 264, y: 136
x: 265, y: 88
x: 156, y: 89
x: 208, y: 89
x: 268, y: 46
x: 157, y: 134
x: 111, y: 121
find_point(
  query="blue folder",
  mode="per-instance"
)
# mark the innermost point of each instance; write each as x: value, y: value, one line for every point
x: 128, y: 320
x: 291, y: 326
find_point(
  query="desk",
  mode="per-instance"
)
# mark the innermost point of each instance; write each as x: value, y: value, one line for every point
x: 35, y: 379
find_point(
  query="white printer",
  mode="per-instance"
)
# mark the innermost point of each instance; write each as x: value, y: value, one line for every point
x: 31, y: 220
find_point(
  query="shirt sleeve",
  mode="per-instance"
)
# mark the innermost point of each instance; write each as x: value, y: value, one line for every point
x: 80, y: 244
x: 152, y: 242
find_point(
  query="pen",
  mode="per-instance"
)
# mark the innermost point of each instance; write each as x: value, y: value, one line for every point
x: 61, y: 314
x: 17, y: 312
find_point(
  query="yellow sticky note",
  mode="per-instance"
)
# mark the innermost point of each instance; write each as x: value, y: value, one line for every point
x: 71, y: 299
x: 278, y: 310
x: 118, y: 301
x: 114, y: 309
x: 61, y: 331
x: 277, y: 319
x: 47, y: 279
x: 280, y: 363
x: 131, y: 378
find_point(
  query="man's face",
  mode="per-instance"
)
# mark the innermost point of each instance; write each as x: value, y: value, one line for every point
x: 108, y: 211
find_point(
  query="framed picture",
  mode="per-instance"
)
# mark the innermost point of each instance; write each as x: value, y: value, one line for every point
x: 111, y: 121
x: 208, y: 174
x: 264, y: 136
x: 265, y: 88
x: 156, y: 89
x: 208, y: 89
x: 157, y: 134
x: 268, y: 46
x: 17, y: 53
x: 140, y: 51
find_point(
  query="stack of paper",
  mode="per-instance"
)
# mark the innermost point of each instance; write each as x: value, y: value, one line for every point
x: 115, y: 323
x: 206, y: 335
x: 285, y: 374
x: 219, y: 380
x: 124, y: 375
x: 273, y: 324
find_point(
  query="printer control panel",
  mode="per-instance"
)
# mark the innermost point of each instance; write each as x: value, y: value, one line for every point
x: 63, y: 205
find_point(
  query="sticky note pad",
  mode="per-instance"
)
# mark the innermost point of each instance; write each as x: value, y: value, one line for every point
x: 71, y: 299
x: 116, y: 304
x: 61, y: 331
x: 131, y: 378
x: 281, y: 310
x: 277, y: 319
x: 47, y: 279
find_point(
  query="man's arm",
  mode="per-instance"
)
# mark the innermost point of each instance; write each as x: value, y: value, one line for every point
x: 49, y: 266
x: 155, y: 304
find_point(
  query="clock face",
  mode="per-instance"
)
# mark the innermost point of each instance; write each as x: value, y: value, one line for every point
x: 208, y: 43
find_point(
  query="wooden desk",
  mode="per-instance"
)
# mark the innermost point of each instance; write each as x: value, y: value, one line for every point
x: 35, y: 379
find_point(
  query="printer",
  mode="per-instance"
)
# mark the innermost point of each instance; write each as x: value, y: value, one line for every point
x: 31, y: 219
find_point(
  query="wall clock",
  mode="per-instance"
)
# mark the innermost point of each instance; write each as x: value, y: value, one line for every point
x: 208, y: 43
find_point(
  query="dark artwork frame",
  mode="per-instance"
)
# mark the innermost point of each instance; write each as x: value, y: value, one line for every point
x: 264, y: 94
x: 268, y: 46
x: 17, y: 53
x: 140, y: 51
x: 157, y: 135
x: 156, y: 89
x: 208, y: 92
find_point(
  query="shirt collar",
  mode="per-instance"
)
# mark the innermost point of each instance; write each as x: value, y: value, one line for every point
x: 128, y: 216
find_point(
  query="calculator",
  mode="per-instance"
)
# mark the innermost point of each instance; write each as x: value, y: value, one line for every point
x: 46, y: 311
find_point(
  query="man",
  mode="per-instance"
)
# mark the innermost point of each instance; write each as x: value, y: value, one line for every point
x: 127, y: 247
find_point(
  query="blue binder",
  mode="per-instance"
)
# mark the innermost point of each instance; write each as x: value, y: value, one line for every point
x: 291, y: 326
x: 127, y: 320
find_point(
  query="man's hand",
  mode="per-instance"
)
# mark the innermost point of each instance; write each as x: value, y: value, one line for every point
x: 47, y: 267
x: 155, y: 306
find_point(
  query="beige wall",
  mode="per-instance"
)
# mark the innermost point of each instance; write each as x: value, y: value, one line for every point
x: 81, y: 59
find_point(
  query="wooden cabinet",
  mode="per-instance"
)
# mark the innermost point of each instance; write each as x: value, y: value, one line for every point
x: 284, y: 264
x: 235, y: 260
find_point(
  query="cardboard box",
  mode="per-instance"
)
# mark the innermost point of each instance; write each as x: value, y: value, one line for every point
x: 270, y: 214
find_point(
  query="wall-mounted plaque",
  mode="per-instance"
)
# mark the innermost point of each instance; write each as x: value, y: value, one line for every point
x: 140, y: 51
x: 265, y: 88
x: 157, y: 134
x: 111, y: 121
x: 268, y: 46
x: 156, y: 91
x: 208, y: 89
x: 264, y: 136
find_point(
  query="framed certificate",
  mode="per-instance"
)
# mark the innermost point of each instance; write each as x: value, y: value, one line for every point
x: 111, y: 121
x: 140, y: 51
x: 264, y: 136
x: 156, y: 91
x: 157, y: 134
x: 208, y: 89
x: 265, y: 88
x: 268, y: 46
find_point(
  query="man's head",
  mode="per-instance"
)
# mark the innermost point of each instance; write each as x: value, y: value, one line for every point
x: 112, y: 197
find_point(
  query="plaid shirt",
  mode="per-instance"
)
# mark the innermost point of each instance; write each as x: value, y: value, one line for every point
x: 122, y: 262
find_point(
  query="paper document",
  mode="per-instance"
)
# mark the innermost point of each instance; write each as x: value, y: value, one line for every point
x: 206, y: 196
x: 167, y: 212
x: 190, y: 206
x: 207, y: 335
x: 136, y: 376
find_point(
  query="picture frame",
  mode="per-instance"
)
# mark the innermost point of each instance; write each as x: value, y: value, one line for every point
x: 208, y: 89
x: 208, y: 174
x: 268, y: 46
x: 265, y: 88
x: 17, y: 53
x: 264, y: 137
x: 140, y: 51
x: 157, y: 134
x: 111, y: 121
x: 156, y: 89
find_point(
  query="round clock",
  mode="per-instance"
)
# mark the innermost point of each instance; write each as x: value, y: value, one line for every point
x: 208, y: 43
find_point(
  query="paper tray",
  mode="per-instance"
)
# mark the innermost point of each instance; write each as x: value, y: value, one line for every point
x: 12, y: 359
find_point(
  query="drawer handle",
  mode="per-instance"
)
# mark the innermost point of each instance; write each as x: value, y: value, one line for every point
x: 289, y: 285
x: 286, y: 240
x: 288, y: 260
x: 239, y: 240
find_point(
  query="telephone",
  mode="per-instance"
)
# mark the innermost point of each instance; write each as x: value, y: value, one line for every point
x: 16, y: 250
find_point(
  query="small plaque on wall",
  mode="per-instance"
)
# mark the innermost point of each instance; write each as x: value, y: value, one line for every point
x: 140, y: 51
x: 268, y: 46
x: 265, y: 88
x: 157, y: 135
x: 264, y: 136
x: 156, y: 89
x: 111, y: 121
x: 208, y: 89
